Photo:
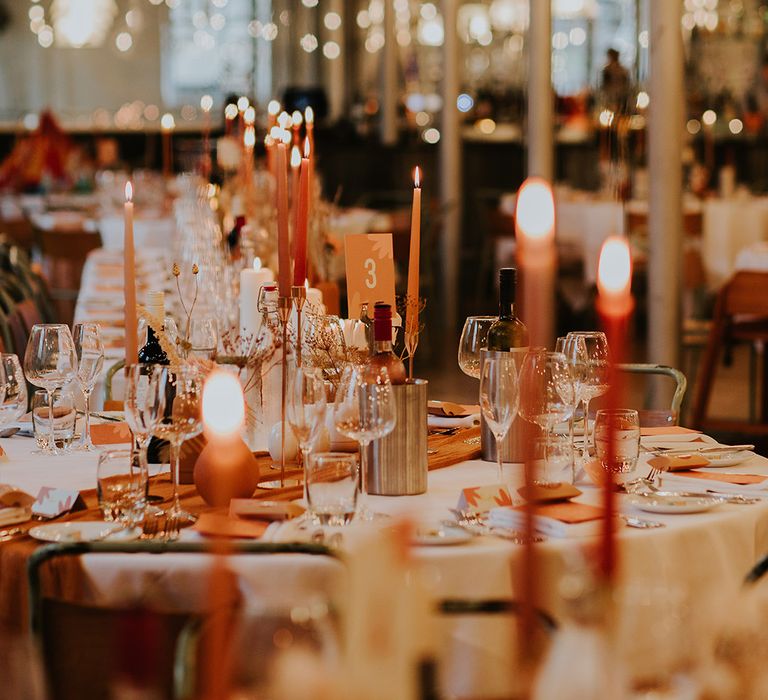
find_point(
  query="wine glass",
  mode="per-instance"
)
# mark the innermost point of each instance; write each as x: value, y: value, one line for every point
x: 587, y: 353
x: 546, y: 395
x: 145, y: 386
x: 499, y: 398
x: 203, y: 338
x: 90, y: 360
x: 182, y: 422
x: 364, y: 411
x: 306, y: 409
x: 13, y: 404
x: 50, y: 362
x: 617, y: 439
x: 474, y: 338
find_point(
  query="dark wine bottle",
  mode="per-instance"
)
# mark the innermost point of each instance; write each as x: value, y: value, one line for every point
x: 152, y: 353
x: 508, y: 332
x: 382, y: 355
x: 238, y: 212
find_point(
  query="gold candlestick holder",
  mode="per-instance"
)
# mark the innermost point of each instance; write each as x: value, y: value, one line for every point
x: 299, y: 297
x: 284, y: 312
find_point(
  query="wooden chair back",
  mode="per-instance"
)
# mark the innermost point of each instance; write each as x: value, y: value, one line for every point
x: 741, y: 314
x: 20, y: 321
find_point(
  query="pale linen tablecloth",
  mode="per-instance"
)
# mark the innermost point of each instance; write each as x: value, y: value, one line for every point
x: 695, y: 555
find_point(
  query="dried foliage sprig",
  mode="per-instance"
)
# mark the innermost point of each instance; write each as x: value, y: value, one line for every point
x: 157, y: 324
x: 406, y: 344
x: 186, y: 346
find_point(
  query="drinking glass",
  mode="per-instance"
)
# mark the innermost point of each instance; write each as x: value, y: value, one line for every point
x: 474, y: 338
x: 122, y: 488
x: 546, y: 392
x: 145, y: 386
x: 499, y: 398
x: 50, y: 362
x: 364, y: 411
x: 306, y: 408
x: 203, y: 338
x: 617, y: 439
x: 90, y: 360
x: 561, y: 346
x: 64, y: 419
x: 332, y: 487
x: 182, y: 422
x: 587, y: 352
x: 13, y: 389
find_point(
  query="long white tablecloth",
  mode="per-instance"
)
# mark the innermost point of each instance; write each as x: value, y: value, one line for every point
x: 695, y: 555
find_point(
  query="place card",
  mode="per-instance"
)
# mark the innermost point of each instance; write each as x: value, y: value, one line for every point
x: 676, y: 463
x: 51, y: 502
x: 480, y: 499
x: 549, y: 493
x: 370, y: 267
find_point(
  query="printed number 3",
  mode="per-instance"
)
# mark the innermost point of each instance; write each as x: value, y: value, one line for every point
x: 370, y: 268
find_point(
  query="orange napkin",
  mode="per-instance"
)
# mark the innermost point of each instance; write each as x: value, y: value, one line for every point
x: 568, y: 512
x: 667, y: 430
x: 110, y: 433
x: 676, y: 463
x: 739, y: 479
x: 549, y: 493
x: 219, y: 525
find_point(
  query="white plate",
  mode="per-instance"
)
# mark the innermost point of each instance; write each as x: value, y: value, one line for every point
x: 439, y: 535
x: 673, y: 505
x: 726, y: 459
x: 82, y: 531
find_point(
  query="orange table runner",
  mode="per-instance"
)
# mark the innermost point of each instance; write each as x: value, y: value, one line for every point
x: 64, y: 576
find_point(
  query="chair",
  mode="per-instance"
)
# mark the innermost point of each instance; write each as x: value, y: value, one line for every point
x: 649, y: 417
x: 64, y: 254
x: 20, y: 321
x: 86, y: 646
x: 741, y: 316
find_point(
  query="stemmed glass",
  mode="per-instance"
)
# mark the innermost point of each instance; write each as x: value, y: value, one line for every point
x: 474, y: 338
x: 587, y: 353
x: 90, y: 360
x: 364, y: 411
x: 13, y: 403
x: 547, y: 395
x: 499, y: 398
x: 203, y: 338
x: 306, y: 409
x: 144, y: 404
x: 182, y: 422
x: 50, y: 362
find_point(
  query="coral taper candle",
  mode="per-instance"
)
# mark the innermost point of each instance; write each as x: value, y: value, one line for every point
x: 283, y: 236
x: 537, y: 258
x: 615, y: 304
x: 300, y: 259
x: 412, y: 310
x: 129, y: 281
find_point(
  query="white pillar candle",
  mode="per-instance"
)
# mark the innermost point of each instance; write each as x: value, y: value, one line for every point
x: 251, y: 281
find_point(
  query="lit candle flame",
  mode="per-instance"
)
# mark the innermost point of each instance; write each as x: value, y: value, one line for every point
x: 276, y: 133
x: 297, y: 119
x: 206, y: 103
x: 230, y: 111
x: 309, y: 115
x: 249, y: 137
x: 257, y: 263
x: 307, y: 148
x: 417, y: 177
x: 273, y: 108
x: 167, y: 122
x: 306, y: 283
x: 614, y: 270
x: 535, y: 211
x: 284, y: 120
x: 223, y: 405
x: 249, y: 116
x: 285, y: 136
x: 295, y: 157
x: 269, y: 141
x: 243, y: 103
x: 128, y: 191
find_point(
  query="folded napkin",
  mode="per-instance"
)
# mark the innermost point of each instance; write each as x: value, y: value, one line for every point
x: 725, y: 477
x: 110, y: 433
x: 721, y: 480
x: 446, y: 422
x: 667, y: 430
x: 220, y: 525
x: 677, y: 463
x: 563, y: 519
x: 450, y: 409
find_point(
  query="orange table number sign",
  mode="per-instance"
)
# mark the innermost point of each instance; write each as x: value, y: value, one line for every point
x: 370, y: 266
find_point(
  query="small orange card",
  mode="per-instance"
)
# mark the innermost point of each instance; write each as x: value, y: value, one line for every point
x: 569, y: 512
x: 667, y: 430
x: 370, y: 266
x: 110, y: 433
x: 727, y: 477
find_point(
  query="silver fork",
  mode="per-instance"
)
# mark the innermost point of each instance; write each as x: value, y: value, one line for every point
x: 650, y: 483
